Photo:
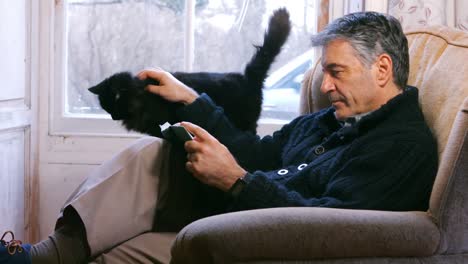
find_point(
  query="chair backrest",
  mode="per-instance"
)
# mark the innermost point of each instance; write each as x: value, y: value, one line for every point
x: 439, y: 68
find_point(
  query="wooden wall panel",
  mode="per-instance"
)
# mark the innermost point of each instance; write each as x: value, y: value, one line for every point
x: 12, y: 181
x: 16, y: 171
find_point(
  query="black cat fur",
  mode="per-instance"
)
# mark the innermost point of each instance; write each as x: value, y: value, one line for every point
x: 240, y: 95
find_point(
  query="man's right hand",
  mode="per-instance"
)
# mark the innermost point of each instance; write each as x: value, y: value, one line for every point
x: 169, y: 87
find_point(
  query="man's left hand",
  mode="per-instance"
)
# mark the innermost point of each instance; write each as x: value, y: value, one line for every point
x: 209, y: 160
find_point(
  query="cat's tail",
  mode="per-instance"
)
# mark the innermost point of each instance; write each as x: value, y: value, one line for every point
x: 275, y: 36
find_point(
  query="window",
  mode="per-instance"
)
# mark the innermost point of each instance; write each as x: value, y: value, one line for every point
x: 103, y: 37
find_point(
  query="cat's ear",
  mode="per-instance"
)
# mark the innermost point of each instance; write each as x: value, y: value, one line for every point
x: 98, y: 89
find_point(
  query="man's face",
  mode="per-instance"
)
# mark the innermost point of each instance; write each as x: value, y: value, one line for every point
x: 350, y: 85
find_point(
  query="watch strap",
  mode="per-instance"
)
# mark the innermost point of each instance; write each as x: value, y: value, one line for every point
x: 237, y: 187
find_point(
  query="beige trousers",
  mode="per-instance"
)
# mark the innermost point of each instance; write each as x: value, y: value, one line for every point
x: 118, y: 201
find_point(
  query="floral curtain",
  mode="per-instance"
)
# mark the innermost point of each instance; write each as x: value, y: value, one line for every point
x: 430, y: 12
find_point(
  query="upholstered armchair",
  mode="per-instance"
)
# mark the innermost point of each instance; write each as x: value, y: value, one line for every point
x: 439, y: 68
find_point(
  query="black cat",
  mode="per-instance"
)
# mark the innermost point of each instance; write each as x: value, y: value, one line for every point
x: 240, y: 95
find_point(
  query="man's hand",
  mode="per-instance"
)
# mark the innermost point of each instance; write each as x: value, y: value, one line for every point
x: 209, y: 160
x: 169, y: 87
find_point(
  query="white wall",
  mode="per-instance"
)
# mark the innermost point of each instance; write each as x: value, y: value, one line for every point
x: 13, y: 46
x: 16, y: 119
x: 64, y: 160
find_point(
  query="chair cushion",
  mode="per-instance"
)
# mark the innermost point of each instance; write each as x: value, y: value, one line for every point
x: 312, y: 100
x: 438, y: 67
x: 305, y: 233
x: 449, y: 199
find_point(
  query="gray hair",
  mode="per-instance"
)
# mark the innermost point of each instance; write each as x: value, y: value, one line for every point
x: 371, y: 34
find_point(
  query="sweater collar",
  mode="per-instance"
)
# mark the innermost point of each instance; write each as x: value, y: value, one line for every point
x: 409, y: 96
x: 329, y: 124
x: 353, y: 119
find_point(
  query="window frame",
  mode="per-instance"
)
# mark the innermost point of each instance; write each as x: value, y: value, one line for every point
x: 61, y: 122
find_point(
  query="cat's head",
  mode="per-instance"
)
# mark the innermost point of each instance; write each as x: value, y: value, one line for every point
x: 115, y: 93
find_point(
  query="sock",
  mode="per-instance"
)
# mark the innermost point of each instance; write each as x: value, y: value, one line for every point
x: 66, y: 245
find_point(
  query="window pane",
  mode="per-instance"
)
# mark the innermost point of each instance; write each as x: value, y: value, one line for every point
x: 108, y: 36
x: 226, y: 31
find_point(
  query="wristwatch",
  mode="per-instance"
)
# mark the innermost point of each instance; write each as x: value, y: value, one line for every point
x: 237, y: 187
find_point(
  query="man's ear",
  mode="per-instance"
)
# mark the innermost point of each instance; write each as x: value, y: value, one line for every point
x: 384, y: 66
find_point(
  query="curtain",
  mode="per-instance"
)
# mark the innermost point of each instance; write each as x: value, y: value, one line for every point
x: 452, y: 13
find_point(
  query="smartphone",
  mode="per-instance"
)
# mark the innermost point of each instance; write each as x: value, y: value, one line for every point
x: 181, y: 133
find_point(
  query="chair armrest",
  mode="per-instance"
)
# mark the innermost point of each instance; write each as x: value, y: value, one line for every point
x: 305, y: 233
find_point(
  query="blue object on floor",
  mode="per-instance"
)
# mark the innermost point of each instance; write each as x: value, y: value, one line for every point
x: 13, y: 251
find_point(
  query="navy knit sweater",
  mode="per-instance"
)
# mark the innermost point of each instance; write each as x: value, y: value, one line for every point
x: 385, y: 161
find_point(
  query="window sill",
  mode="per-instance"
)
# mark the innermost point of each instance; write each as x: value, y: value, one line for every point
x: 100, y: 125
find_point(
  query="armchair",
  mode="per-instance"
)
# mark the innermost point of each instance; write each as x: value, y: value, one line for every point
x: 438, y: 67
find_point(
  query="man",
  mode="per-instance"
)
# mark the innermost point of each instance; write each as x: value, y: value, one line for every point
x: 370, y: 150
